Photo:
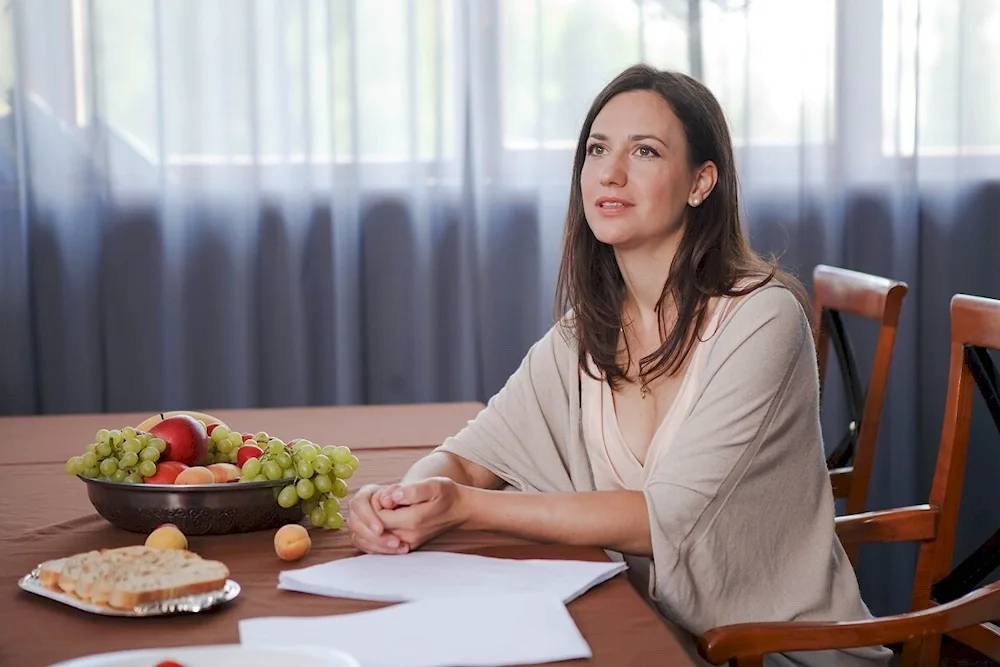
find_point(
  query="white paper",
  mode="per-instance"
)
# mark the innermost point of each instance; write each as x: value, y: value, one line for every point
x: 424, y: 575
x: 482, y: 631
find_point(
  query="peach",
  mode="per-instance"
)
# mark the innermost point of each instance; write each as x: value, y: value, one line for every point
x: 195, y: 475
x: 224, y: 472
x: 292, y: 542
x: 167, y: 536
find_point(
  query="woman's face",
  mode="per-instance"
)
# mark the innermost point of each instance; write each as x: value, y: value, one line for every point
x: 636, y: 181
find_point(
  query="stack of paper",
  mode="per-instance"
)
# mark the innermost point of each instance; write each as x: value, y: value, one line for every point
x: 425, y: 575
x: 474, y: 631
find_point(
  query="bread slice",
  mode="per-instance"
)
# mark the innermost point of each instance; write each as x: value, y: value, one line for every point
x: 178, y: 579
x: 109, y: 561
x: 49, y: 572
x: 149, y: 562
x: 74, y: 567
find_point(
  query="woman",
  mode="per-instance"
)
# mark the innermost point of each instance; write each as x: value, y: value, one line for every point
x: 672, y: 416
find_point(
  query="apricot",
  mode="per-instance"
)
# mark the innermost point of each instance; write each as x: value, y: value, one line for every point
x: 292, y: 542
x: 195, y: 475
x: 224, y: 472
x: 167, y: 536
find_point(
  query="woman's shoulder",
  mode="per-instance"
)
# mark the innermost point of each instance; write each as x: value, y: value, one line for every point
x: 772, y: 306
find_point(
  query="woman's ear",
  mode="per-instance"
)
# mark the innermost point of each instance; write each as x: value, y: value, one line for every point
x: 704, y: 182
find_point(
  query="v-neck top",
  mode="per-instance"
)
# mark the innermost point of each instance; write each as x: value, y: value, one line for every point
x: 614, y: 463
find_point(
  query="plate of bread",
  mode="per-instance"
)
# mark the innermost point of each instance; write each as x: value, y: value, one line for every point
x: 225, y: 655
x: 133, y: 581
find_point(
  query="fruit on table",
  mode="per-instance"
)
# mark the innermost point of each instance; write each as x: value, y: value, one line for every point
x: 292, y: 542
x: 247, y: 452
x: 203, y: 417
x: 166, y: 472
x: 167, y: 536
x: 186, y: 438
x: 195, y: 475
x: 224, y: 472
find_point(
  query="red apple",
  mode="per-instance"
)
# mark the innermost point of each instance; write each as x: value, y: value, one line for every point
x: 166, y: 472
x: 247, y: 436
x: 186, y: 438
x: 210, y: 428
x: 247, y: 452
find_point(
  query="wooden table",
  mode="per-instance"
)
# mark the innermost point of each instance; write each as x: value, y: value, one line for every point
x: 45, y: 514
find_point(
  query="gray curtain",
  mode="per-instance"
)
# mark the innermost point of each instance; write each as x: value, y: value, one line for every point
x: 295, y: 202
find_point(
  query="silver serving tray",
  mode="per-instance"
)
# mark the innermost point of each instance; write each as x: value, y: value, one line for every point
x: 189, y: 604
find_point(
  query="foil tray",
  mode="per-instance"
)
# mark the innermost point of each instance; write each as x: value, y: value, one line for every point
x: 189, y: 604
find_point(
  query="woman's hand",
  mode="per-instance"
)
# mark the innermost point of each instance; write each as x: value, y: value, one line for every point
x: 366, y: 528
x: 419, y: 511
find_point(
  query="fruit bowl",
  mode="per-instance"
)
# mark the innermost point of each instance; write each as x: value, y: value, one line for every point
x: 211, y: 509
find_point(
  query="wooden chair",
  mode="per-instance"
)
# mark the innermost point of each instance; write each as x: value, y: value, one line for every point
x: 838, y: 291
x: 975, y: 324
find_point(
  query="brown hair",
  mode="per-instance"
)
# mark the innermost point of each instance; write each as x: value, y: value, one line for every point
x: 712, y: 257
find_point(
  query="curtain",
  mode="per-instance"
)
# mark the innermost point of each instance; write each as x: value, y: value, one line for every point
x: 296, y: 202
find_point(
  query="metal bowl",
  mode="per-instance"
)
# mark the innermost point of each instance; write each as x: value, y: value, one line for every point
x: 210, y: 509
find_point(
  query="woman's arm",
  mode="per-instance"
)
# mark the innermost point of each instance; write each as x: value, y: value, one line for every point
x: 615, y: 520
x: 452, y: 466
x: 611, y: 519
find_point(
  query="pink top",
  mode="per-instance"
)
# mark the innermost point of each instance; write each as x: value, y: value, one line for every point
x: 615, y: 466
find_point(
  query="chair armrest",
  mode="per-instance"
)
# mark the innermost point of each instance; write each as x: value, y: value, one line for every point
x: 749, y: 642
x: 905, y: 524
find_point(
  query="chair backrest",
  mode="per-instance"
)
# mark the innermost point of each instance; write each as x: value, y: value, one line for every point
x: 975, y: 328
x: 838, y: 291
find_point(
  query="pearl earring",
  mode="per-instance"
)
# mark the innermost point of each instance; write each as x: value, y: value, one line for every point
x: 695, y: 202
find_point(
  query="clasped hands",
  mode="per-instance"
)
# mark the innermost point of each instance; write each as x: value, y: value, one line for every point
x: 399, y: 518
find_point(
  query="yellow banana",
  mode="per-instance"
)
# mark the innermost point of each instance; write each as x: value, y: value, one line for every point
x: 208, y: 419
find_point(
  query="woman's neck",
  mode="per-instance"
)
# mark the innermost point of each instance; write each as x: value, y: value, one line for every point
x: 645, y: 271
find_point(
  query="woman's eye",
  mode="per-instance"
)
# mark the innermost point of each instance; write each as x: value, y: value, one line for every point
x: 595, y: 149
x: 646, y: 151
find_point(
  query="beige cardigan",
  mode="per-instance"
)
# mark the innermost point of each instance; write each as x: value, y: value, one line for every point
x: 741, y: 508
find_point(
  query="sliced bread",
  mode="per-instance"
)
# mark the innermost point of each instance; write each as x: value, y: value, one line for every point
x: 175, y: 580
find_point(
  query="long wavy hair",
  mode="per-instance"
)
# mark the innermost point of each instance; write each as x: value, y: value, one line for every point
x: 712, y: 258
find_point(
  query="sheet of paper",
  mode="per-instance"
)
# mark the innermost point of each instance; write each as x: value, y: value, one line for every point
x: 480, y: 631
x: 429, y: 574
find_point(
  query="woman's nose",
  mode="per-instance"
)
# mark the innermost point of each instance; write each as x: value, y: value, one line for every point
x: 613, y: 173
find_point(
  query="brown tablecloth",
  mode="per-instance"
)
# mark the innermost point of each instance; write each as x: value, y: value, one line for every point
x: 45, y: 514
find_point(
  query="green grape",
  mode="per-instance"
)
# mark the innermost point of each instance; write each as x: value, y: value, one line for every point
x: 277, y: 441
x: 288, y: 497
x: 339, y: 488
x: 317, y: 517
x: 149, y: 454
x: 236, y: 439
x: 334, y: 521
x: 328, y: 451
x: 158, y: 444
x: 120, y: 476
x: 331, y: 506
x: 323, y: 483
x: 272, y: 470
x: 354, y: 463
x: 322, y: 464
x: 288, y: 473
x: 109, y: 466
x: 128, y: 433
x: 132, y: 445
x: 305, y: 489
x: 251, y: 468
x: 147, y: 468
x: 89, y: 460
x: 233, y: 456
x: 343, y: 471
x: 129, y: 460
x: 309, y: 452
x: 144, y: 439
x: 115, y: 437
x: 250, y: 478
x: 103, y: 449
x: 262, y: 436
x: 102, y: 436
x: 75, y: 465
x: 134, y: 478
x: 283, y: 459
x: 304, y: 468
x: 92, y: 447
x: 274, y: 448
x: 341, y: 454
x: 224, y: 446
x: 309, y: 505
x: 220, y: 433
